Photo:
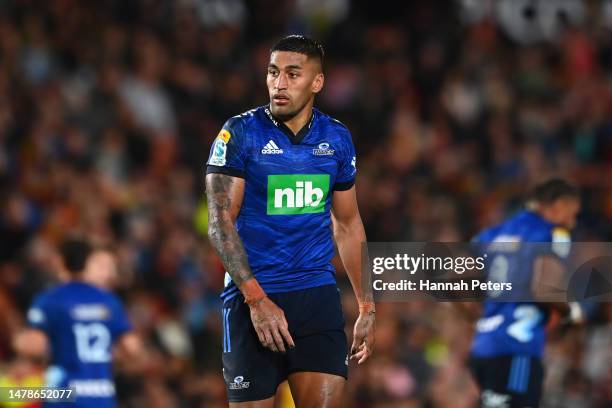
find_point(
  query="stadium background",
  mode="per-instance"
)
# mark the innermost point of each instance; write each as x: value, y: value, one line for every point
x: 108, y: 109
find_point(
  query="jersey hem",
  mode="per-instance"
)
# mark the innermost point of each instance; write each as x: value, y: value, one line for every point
x: 232, y: 295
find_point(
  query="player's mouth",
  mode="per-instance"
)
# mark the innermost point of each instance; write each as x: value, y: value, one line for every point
x: 280, y: 100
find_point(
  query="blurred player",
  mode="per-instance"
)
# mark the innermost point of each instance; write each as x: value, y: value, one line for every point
x: 274, y: 175
x: 509, y: 342
x: 81, y: 323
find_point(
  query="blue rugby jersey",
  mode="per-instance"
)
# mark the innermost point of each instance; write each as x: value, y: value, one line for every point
x: 516, y: 328
x: 82, y: 323
x: 285, y: 222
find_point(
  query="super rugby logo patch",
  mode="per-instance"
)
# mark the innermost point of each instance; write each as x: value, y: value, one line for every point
x: 219, y: 153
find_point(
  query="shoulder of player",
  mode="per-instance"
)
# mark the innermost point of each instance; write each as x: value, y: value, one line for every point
x: 55, y: 291
x: 488, y: 235
x: 238, y: 126
x: 337, y: 127
x: 242, y: 121
x: 333, y: 122
x: 43, y: 297
x: 559, y: 234
x: 547, y: 232
x: 49, y: 296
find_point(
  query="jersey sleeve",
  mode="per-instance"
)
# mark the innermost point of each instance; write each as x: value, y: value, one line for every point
x: 348, y: 166
x: 227, y: 154
x: 40, y: 314
x: 120, y: 323
x: 555, y: 242
x: 561, y: 242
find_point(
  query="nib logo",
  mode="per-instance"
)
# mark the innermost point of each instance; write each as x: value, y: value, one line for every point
x: 297, y: 193
x: 304, y: 195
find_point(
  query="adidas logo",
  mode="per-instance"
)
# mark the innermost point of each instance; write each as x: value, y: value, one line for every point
x: 271, y: 148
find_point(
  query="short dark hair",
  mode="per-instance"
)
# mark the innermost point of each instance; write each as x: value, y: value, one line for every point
x: 550, y: 191
x: 300, y: 44
x: 74, y: 253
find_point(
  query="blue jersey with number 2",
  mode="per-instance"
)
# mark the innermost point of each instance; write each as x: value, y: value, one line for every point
x: 515, y: 328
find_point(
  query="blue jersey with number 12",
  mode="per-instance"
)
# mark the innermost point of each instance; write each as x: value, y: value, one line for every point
x: 515, y: 328
x: 81, y: 322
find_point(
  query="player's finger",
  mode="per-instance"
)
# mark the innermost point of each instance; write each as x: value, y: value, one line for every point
x: 278, y: 339
x: 358, y: 351
x: 272, y: 343
x: 268, y: 342
x: 355, y: 346
x: 284, y: 331
x: 367, y: 354
x: 359, y: 354
x: 260, y: 336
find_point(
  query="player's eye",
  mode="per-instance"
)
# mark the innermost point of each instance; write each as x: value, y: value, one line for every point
x: 273, y: 72
x: 293, y: 75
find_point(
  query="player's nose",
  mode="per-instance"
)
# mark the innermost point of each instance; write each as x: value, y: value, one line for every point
x: 281, y: 81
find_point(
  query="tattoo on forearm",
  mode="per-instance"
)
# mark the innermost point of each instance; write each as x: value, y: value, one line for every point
x: 221, y: 230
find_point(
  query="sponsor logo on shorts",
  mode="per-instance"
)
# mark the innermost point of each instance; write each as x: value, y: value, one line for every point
x: 239, y: 383
x: 492, y: 399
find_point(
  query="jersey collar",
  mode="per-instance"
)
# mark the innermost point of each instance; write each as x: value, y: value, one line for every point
x: 294, y: 138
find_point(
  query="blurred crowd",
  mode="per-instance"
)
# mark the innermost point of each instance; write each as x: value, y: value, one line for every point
x: 108, y: 110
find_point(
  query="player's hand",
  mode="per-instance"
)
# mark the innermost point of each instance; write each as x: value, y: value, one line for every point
x: 363, y: 337
x: 271, y: 325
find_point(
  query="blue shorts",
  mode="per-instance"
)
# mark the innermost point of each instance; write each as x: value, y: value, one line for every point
x: 510, y: 381
x: 316, y: 324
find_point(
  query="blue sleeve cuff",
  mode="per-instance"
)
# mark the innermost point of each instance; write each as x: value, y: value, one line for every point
x: 343, y: 186
x: 225, y: 170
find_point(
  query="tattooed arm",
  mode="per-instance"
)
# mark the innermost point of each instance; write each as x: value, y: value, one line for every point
x: 225, y: 194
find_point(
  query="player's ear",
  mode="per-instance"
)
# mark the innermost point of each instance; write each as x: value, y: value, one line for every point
x: 317, y: 84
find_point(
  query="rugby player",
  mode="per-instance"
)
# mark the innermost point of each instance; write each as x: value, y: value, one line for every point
x: 510, y: 336
x: 280, y: 186
x: 80, y: 322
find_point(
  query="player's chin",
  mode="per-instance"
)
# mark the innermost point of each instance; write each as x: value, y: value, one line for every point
x: 282, y: 110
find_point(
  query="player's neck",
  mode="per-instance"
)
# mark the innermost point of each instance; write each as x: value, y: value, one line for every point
x: 548, y: 215
x: 77, y: 278
x: 296, y: 123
